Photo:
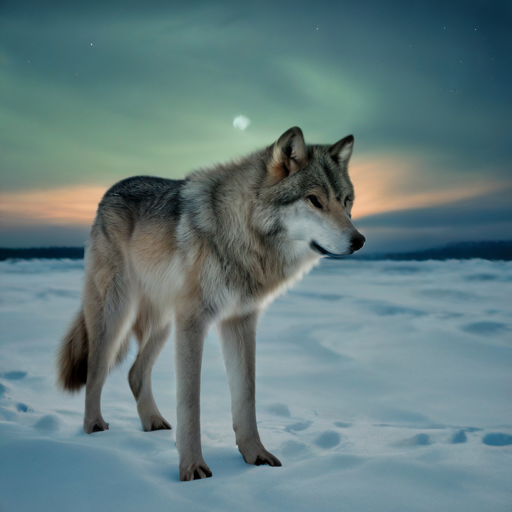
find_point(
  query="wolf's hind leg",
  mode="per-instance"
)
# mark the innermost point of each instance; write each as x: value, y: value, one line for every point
x: 109, y: 322
x: 151, y: 341
x: 238, y: 342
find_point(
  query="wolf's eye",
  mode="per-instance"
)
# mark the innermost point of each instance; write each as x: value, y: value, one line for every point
x: 314, y: 201
x: 347, y: 200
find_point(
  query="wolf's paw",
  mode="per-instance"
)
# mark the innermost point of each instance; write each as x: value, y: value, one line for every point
x: 157, y: 423
x: 194, y: 471
x: 260, y: 457
x: 96, y: 425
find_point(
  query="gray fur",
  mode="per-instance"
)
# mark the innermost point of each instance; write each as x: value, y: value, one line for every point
x: 215, y: 248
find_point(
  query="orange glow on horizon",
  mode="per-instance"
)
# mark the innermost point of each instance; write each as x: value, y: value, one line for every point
x: 74, y: 205
x: 387, y: 184
x: 382, y: 184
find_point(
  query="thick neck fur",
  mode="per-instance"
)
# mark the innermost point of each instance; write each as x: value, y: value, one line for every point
x: 225, y: 208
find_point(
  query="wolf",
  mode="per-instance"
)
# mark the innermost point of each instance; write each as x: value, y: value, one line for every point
x: 212, y: 249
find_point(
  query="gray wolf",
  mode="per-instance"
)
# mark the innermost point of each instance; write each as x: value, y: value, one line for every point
x: 213, y: 249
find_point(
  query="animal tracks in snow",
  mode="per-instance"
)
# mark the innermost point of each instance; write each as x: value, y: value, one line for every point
x: 497, y: 439
x: 459, y: 437
x: 297, y: 427
x: 328, y: 439
x: 342, y: 424
x: 21, y: 407
x: 381, y: 438
x: 49, y: 422
x: 14, y: 375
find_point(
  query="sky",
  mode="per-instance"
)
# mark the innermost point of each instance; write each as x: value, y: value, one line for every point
x: 94, y: 92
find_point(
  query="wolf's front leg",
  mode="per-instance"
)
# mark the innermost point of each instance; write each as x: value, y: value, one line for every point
x: 188, y: 347
x: 238, y: 341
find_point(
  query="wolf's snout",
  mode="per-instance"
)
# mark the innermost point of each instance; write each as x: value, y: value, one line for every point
x: 357, y: 242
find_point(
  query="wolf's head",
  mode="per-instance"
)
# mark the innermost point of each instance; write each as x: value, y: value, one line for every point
x: 312, y: 189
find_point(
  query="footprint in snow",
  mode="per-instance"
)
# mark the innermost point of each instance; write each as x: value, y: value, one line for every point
x: 14, y: 375
x: 293, y: 449
x: 459, y: 437
x: 23, y: 408
x: 497, y: 439
x: 342, y: 424
x: 482, y: 277
x: 328, y: 439
x: 279, y: 410
x: 330, y: 297
x: 50, y: 422
x: 383, y: 308
x: 417, y: 440
x: 485, y: 328
x: 299, y: 426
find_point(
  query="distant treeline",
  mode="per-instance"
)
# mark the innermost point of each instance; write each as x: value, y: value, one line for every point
x: 74, y: 253
x: 458, y: 251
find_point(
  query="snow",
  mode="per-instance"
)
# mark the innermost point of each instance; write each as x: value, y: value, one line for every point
x: 381, y: 386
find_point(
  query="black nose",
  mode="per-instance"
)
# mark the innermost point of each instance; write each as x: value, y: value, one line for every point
x: 357, y: 242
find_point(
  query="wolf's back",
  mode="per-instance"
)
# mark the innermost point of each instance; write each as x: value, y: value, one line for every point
x: 74, y: 350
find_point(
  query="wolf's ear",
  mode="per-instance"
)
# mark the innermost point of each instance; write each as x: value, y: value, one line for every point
x: 288, y: 154
x: 342, y: 150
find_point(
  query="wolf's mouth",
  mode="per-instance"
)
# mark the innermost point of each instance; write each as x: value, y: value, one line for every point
x: 325, y: 252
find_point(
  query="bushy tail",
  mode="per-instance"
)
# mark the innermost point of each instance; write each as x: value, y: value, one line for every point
x: 72, y: 363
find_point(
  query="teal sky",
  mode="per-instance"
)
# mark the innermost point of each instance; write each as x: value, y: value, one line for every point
x: 92, y: 93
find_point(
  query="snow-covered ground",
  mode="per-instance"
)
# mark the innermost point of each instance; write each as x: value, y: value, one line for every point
x: 381, y: 386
